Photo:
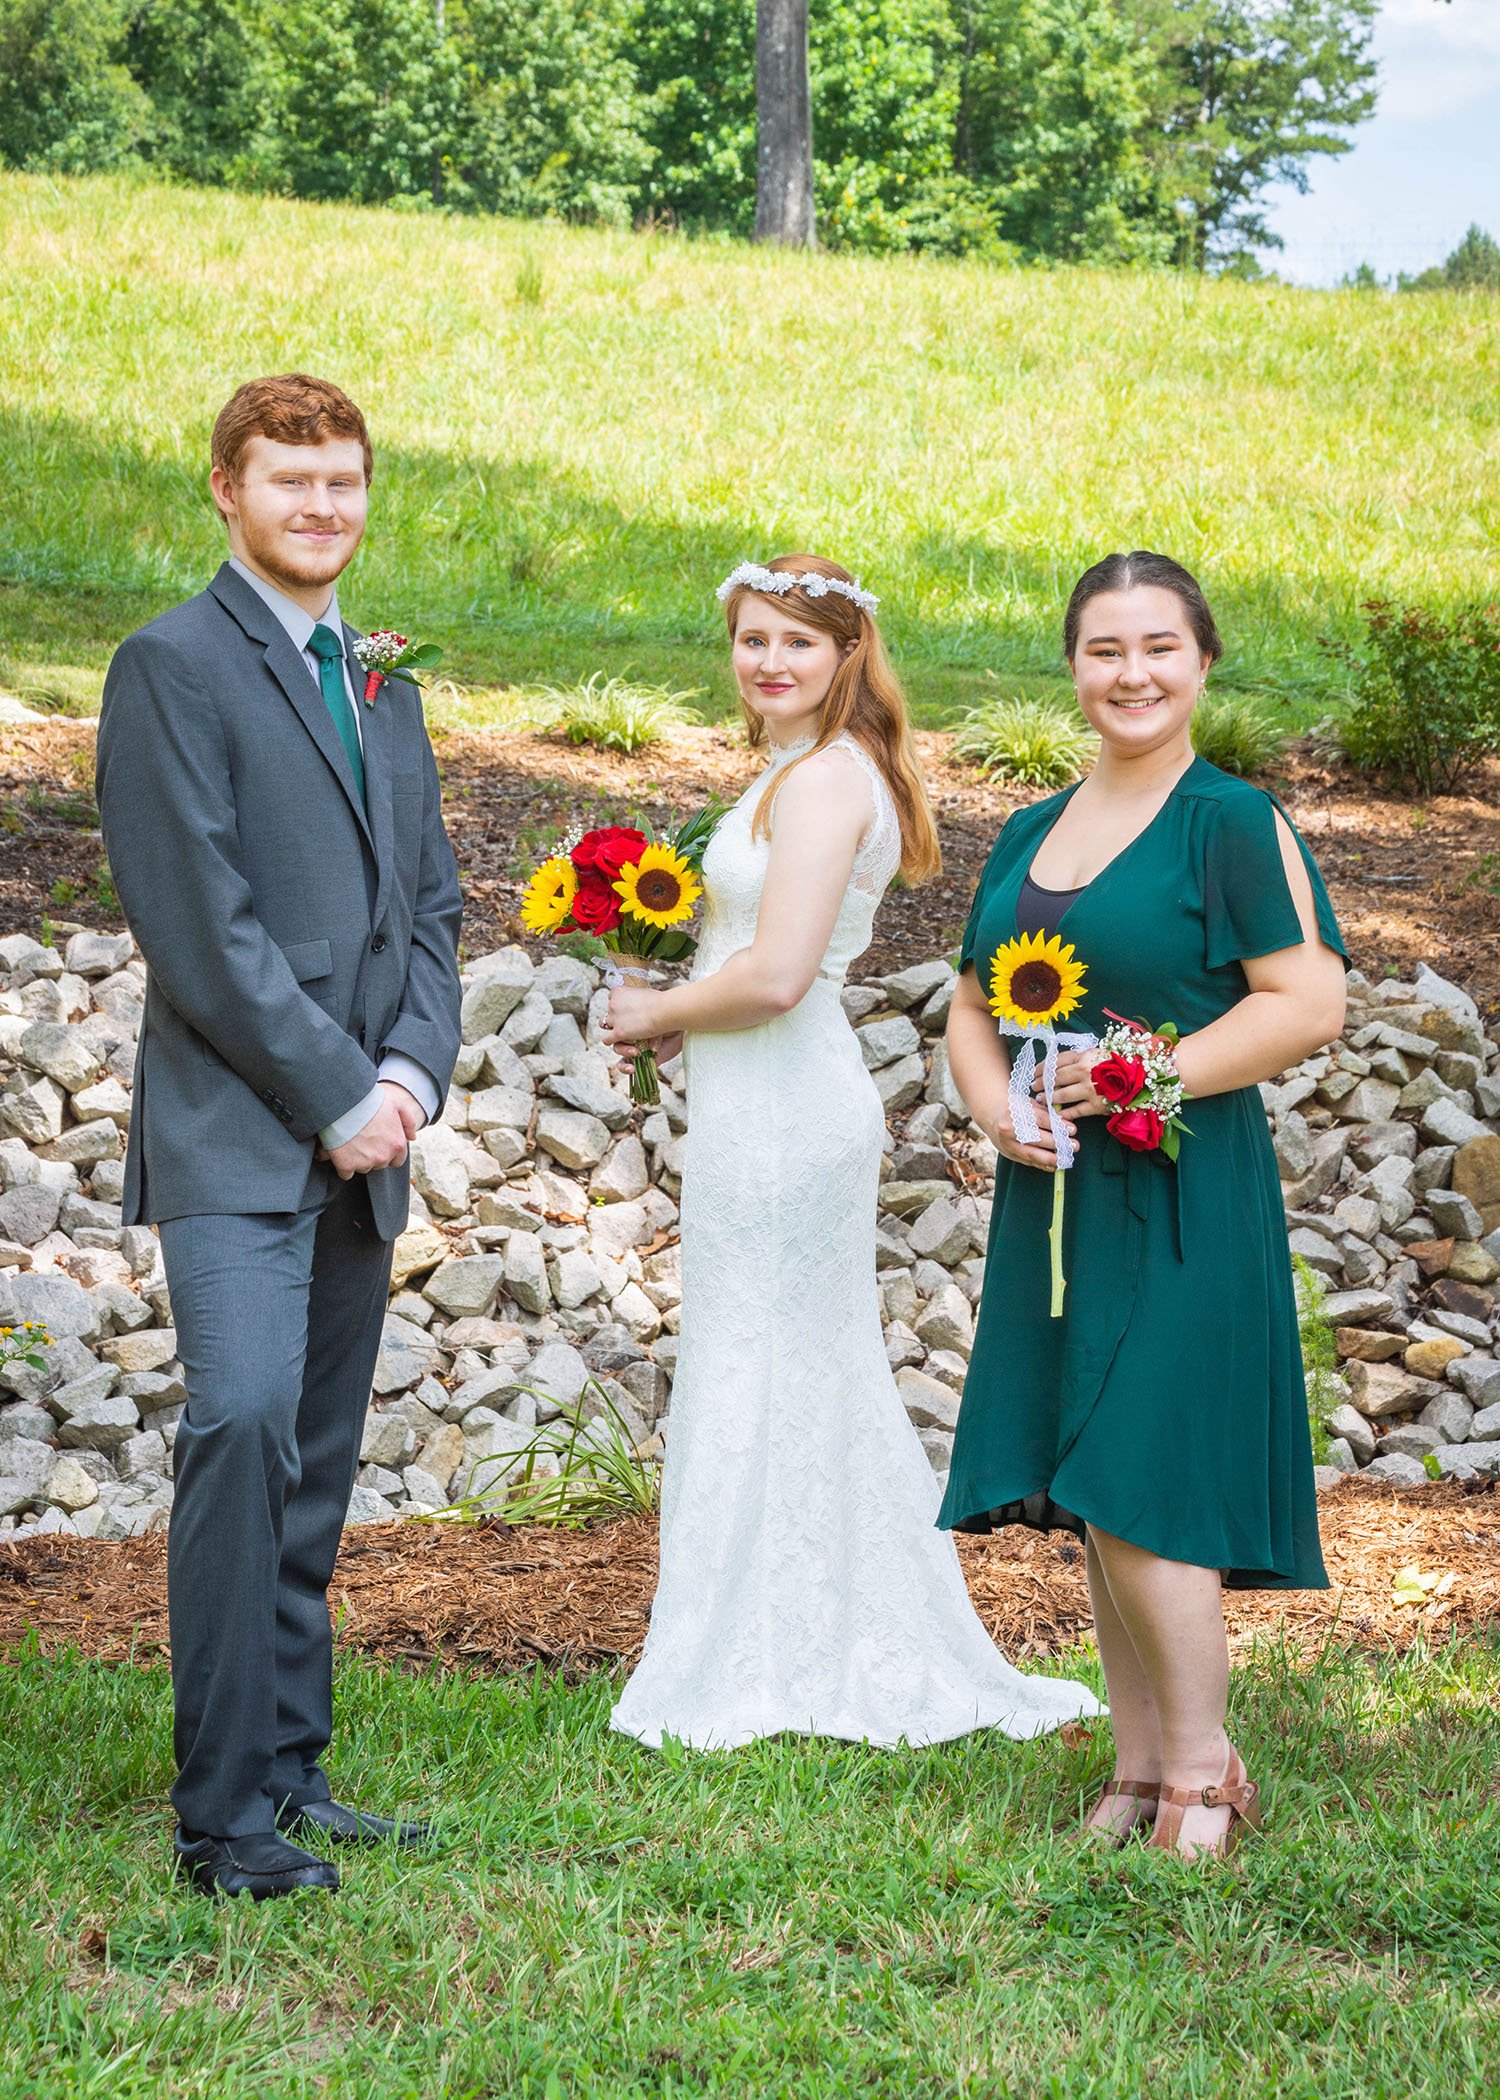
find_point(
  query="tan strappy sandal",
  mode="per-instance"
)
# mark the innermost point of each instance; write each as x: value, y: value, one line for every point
x: 1145, y: 1791
x: 1236, y: 1791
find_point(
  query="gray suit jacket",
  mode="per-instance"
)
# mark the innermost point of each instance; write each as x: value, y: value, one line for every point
x: 289, y: 937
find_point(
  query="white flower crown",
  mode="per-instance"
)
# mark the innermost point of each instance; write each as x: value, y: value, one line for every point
x: 752, y: 577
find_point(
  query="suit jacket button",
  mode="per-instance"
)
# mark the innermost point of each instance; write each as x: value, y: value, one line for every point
x: 377, y: 946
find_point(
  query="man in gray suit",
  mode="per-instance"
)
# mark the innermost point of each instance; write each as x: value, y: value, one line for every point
x: 279, y: 850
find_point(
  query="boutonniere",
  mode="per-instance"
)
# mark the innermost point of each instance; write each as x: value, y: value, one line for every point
x: 386, y: 654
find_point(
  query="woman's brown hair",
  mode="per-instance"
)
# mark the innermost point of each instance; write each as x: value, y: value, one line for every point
x: 865, y: 699
x: 1125, y: 572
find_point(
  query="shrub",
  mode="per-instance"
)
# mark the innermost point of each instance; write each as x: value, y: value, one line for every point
x: 1036, y: 743
x: 618, y: 716
x: 1320, y: 1361
x: 1426, y: 695
x: 1235, y: 734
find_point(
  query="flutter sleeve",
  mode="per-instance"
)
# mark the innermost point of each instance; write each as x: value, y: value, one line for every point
x: 1248, y: 908
x: 999, y: 853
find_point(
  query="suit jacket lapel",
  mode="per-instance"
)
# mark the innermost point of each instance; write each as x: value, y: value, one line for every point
x: 374, y: 722
x: 284, y: 662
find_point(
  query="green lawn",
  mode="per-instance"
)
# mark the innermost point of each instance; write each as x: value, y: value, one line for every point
x: 561, y: 481
x: 795, y: 1920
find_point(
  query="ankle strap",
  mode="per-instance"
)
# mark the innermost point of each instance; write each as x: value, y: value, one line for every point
x: 1136, y: 1789
x: 1221, y: 1796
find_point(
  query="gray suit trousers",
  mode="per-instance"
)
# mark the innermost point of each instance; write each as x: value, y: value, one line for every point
x: 278, y: 1322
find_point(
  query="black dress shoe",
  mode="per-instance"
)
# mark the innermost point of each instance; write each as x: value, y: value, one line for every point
x: 334, y: 1824
x: 260, y: 1865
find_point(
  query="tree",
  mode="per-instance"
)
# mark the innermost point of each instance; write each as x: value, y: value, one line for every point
x: 68, y: 103
x: 371, y: 96
x: 1474, y: 266
x: 209, y: 70
x: 1242, y: 95
x: 784, y: 126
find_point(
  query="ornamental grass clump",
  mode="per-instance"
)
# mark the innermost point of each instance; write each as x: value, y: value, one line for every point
x: 1425, y: 709
x: 1235, y: 735
x: 615, y: 715
x: 1033, y: 742
x: 574, y: 1472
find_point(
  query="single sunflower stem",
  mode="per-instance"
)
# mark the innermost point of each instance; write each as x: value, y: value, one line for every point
x: 1059, y: 1281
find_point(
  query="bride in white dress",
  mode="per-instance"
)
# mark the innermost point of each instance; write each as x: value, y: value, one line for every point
x: 803, y: 1583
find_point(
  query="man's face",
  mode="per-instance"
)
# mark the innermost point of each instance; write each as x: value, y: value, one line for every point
x: 295, y: 513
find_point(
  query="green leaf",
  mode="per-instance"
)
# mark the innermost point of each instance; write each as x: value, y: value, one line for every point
x: 424, y: 658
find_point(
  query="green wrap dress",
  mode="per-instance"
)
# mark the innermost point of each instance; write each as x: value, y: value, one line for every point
x: 1167, y: 1404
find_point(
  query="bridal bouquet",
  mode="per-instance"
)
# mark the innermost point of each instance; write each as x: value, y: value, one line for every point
x: 617, y: 893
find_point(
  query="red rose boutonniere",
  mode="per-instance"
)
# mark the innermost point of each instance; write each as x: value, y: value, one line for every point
x: 386, y: 654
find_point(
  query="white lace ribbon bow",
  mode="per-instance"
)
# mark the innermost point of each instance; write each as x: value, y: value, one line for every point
x: 1023, y: 1114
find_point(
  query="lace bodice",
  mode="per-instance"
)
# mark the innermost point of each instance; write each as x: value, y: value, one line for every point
x: 734, y: 868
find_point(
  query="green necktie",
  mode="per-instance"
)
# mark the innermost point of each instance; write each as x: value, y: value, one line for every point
x: 328, y: 648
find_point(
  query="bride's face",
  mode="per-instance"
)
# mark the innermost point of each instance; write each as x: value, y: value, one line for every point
x: 782, y: 667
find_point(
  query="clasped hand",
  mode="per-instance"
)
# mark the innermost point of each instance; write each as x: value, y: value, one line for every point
x: 1072, y: 1096
x: 632, y: 1025
x: 384, y: 1139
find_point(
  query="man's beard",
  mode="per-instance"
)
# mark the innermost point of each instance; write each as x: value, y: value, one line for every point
x: 267, y: 549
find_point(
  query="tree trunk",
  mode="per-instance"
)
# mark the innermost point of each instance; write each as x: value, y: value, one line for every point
x: 783, y: 110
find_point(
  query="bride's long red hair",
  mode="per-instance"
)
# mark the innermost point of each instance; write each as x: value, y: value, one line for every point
x: 865, y: 699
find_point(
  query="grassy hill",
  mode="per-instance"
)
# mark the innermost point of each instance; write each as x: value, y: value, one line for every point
x: 579, y: 432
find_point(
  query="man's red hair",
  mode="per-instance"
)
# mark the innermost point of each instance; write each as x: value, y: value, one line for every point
x: 292, y: 409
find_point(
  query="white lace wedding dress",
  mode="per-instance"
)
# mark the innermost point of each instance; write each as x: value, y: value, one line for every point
x: 803, y: 1584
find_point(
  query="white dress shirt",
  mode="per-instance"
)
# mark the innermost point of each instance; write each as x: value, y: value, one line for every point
x: 403, y: 1070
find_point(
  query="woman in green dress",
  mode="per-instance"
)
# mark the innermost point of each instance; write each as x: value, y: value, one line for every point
x: 1164, y: 1411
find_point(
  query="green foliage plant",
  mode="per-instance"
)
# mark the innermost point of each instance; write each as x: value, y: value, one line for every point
x: 1032, y: 741
x: 1474, y: 266
x: 618, y: 716
x: 1426, y: 695
x: 67, y: 103
x: 575, y: 1471
x: 1235, y: 734
x: 1320, y: 1361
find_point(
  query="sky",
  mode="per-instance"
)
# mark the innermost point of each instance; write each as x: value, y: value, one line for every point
x: 1423, y: 169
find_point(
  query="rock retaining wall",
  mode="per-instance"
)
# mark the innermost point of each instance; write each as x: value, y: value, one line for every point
x: 541, y: 1266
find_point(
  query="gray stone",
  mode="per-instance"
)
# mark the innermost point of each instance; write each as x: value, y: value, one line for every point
x: 423, y: 1490
x: 916, y: 984
x: 1469, y: 1461
x: 147, y: 1350
x: 1390, y: 1183
x: 98, y: 954
x: 95, y: 1384
x: 1329, y: 1148
x: 526, y: 1272
x: 1411, y: 1440
x: 566, y: 984
x: 1339, y: 1461
x: 29, y: 1212
x: 1448, y: 1124
x: 1293, y: 1145
x: 407, y: 1355
x: 1475, y: 1332
x: 1397, y: 1471
x: 887, y: 1042
x: 1358, y: 1308
x: 367, y: 1507
x: 902, y: 1346
x: 929, y: 1404
x: 145, y: 1453
x: 1484, y: 1427
x: 498, y: 985
x: 1477, y: 1378
x: 1371, y: 1101
x: 574, y: 1277
x: 465, y: 1287
x: 1449, y: 1416
x: 24, y: 1418
x: 69, y: 1487
x: 623, y: 1173
x: 1347, y: 1422
x: 33, y: 1108
x: 55, y: 1303
x: 1433, y: 1168
x: 948, y: 1322
x: 500, y: 1108
x: 574, y: 1140
x: 103, y: 1424
x: 64, y: 1054
x: 592, y: 1096
x: 943, y: 1232
x: 1359, y: 1215
x: 1318, y: 1252
x: 900, y: 1084
x: 898, y: 1296
x: 439, y: 1172
x: 615, y: 1227
x: 387, y: 1440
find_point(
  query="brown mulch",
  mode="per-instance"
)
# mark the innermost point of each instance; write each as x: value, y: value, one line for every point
x: 1411, y: 881
x: 492, y: 1598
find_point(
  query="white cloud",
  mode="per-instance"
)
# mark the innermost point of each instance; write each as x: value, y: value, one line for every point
x: 1436, y: 57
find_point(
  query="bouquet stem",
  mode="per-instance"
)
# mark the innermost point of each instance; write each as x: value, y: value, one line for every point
x: 1054, y: 1237
x: 645, y: 1082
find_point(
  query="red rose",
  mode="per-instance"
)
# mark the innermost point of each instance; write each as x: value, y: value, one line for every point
x: 608, y: 849
x: 1139, y: 1128
x: 596, y: 908
x: 1118, y: 1079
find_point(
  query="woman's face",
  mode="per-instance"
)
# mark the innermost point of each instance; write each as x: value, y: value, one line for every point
x: 783, y: 668
x: 1138, y: 669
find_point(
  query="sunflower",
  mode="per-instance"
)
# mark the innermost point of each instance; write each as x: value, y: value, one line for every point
x: 549, y: 896
x: 1035, y: 982
x: 659, y: 887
